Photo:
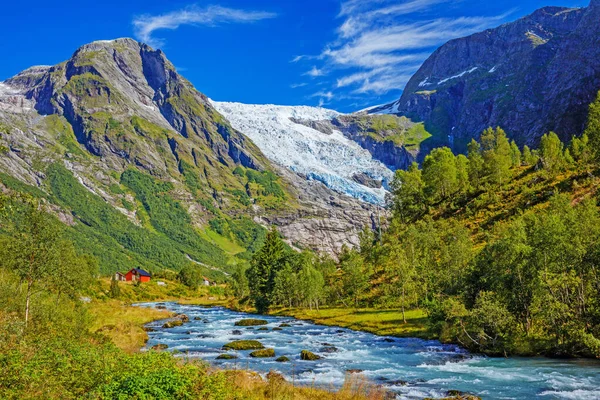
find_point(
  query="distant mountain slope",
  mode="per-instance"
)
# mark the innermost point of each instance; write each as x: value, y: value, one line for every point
x: 530, y: 76
x: 146, y: 172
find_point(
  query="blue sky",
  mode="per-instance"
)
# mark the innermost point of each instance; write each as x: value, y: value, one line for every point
x: 341, y: 54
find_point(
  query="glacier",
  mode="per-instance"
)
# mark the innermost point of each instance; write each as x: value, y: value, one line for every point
x: 331, y: 159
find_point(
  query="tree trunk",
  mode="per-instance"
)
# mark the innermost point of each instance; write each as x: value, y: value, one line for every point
x: 29, y: 285
x: 403, y: 314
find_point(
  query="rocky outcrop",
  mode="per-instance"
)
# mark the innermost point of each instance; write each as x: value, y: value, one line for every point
x: 531, y: 76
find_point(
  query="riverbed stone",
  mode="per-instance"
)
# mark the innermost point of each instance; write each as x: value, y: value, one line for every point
x: 251, y: 322
x: 264, y: 353
x: 172, y: 324
x: 309, y: 356
x: 226, y: 357
x: 282, y: 359
x: 244, y: 345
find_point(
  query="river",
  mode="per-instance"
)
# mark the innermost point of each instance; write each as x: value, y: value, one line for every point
x: 413, y: 368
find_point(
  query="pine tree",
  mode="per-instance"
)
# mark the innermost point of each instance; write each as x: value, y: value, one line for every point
x: 264, y: 267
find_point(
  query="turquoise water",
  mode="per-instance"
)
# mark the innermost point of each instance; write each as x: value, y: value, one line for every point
x: 413, y: 368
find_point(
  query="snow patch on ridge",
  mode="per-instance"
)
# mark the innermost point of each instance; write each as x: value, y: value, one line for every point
x: 469, y: 71
x: 331, y: 159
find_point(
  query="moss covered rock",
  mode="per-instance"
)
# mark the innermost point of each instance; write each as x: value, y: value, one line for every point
x: 264, y: 353
x: 308, y: 356
x: 226, y: 357
x: 173, y: 324
x: 244, y: 345
x: 251, y: 322
x: 282, y: 359
x: 159, y: 347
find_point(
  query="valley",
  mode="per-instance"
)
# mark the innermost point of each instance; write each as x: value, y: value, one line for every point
x: 444, y: 245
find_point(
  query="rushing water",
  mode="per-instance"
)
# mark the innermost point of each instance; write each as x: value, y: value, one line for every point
x: 413, y: 368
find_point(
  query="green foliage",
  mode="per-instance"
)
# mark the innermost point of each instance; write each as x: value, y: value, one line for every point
x: 170, y: 218
x: 191, y: 276
x: 440, y: 174
x: 552, y: 153
x: 592, y: 130
x: 103, y: 228
x: 115, y: 289
x: 264, y: 266
x: 408, y: 200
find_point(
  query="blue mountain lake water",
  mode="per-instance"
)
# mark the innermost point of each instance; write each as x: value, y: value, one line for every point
x: 413, y: 368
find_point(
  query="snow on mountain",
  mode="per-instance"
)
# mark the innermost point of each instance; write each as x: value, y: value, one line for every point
x: 331, y: 159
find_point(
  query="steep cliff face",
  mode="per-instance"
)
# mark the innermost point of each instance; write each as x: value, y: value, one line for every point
x: 117, y: 106
x: 530, y: 76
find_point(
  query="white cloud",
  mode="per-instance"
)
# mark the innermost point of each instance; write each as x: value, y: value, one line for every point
x: 315, y: 72
x: 380, y: 44
x: 146, y: 25
x: 298, y: 85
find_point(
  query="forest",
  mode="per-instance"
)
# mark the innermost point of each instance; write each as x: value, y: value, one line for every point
x: 499, y: 246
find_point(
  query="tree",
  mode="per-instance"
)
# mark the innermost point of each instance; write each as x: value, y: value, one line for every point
x: 515, y: 154
x: 580, y: 149
x: 592, y: 130
x: 191, y: 276
x: 529, y: 157
x: 551, y: 153
x: 496, y: 153
x: 240, y: 283
x: 264, y: 267
x: 408, y: 199
x: 476, y: 163
x: 402, y: 277
x: 355, y: 276
x: 439, y: 174
x: 115, y: 290
x: 33, y: 252
x: 286, y: 286
x: 462, y: 173
x: 311, y: 281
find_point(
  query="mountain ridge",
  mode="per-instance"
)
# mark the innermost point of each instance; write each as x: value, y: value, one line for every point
x: 118, y: 106
x: 530, y: 76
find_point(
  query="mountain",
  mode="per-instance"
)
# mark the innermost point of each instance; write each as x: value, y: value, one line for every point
x: 146, y: 172
x: 531, y: 76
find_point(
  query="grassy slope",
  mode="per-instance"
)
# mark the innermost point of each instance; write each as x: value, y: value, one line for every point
x: 379, y: 322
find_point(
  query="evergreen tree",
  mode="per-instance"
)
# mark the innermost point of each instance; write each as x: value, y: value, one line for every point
x: 264, y: 266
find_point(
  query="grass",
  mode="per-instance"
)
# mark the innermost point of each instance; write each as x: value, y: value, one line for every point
x: 379, y: 322
x: 122, y: 323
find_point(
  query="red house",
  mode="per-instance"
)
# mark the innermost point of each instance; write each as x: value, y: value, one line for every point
x: 137, y: 274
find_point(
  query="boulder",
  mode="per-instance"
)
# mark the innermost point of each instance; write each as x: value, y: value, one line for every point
x: 243, y: 345
x: 308, y: 356
x: 264, y: 353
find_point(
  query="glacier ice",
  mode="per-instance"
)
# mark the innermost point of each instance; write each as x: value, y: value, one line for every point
x: 331, y: 159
